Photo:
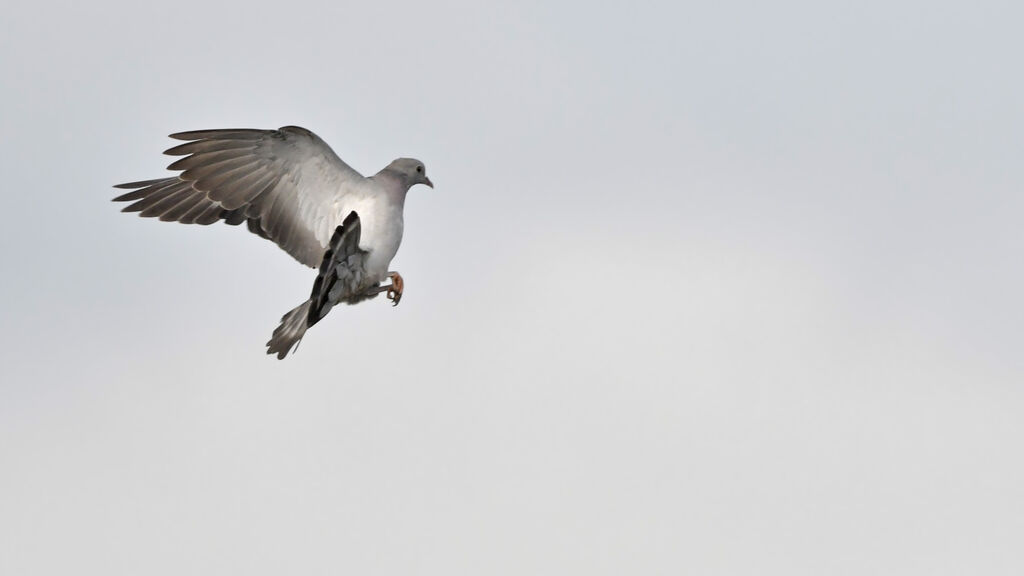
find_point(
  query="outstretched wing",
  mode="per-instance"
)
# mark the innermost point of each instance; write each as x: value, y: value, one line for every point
x: 286, y: 184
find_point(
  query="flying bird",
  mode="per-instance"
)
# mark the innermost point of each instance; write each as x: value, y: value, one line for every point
x: 289, y: 187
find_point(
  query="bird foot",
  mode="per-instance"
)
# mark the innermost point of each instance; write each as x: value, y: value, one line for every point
x: 396, y: 288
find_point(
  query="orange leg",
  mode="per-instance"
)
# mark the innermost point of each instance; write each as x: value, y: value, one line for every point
x: 396, y: 288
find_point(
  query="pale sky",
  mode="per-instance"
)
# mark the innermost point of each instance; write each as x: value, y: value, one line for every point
x: 703, y: 288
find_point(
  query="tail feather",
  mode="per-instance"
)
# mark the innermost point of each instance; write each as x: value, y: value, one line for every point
x: 293, y: 327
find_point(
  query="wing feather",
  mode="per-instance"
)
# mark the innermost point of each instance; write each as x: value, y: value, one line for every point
x: 340, y: 278
x: 287, y: 183
x: 214, y: 178
x: 156, y: 194
x: 170, y: 199
x: 200, y: 146
x: 221, y: 134
x: 195, y: 212
x: 189, y: 200
x: 210, y: 215
x: 208, y: 159
x: 244, y: 190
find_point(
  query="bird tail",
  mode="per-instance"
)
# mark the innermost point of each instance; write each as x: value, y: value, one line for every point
x: 293, y: 327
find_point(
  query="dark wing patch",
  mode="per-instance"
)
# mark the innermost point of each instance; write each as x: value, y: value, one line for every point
x: 340, y: 279
x: 341, y: 271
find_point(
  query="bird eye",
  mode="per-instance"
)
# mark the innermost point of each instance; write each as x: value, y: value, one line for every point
x: 419, y: 169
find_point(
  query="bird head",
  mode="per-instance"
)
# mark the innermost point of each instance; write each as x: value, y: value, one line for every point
x: 411, y: 171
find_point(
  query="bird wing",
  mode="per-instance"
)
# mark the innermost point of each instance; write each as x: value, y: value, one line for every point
x: 286, y: 184
x: 340, y: 280
x: 342, y: 276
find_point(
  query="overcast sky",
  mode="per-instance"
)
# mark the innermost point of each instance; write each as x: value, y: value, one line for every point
x: 703, y: 288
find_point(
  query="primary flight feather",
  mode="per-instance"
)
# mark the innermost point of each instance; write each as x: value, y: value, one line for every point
x: 288, y: 186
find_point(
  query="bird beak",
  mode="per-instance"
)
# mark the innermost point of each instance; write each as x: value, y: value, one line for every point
x: 428, y: 182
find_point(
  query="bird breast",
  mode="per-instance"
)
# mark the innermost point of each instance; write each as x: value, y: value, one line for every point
x: 382, y: 225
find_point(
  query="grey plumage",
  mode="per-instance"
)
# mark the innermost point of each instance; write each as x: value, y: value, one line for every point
x: 276, y: 176
x: 292, y: 328
x: 288, y: 186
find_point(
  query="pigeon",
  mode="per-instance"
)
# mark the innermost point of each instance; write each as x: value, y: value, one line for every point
x: 289, y: 187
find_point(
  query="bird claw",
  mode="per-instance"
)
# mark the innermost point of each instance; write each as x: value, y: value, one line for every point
x: 396, y: 288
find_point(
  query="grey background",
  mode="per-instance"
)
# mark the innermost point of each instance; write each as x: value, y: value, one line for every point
x: 705, y: 289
